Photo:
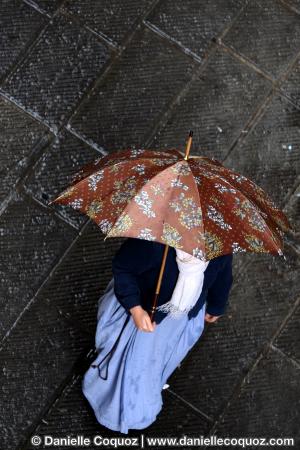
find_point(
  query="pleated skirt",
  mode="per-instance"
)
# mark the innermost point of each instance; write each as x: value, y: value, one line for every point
x: 124, y: 383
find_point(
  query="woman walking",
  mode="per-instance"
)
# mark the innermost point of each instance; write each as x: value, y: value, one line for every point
x: 135, y: 357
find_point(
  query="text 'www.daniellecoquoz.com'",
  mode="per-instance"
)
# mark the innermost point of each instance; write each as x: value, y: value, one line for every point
x: 143, y: 441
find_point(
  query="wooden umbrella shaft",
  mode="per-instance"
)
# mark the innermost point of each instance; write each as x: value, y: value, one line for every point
x: 161, y: 272
x: 188, y: 146
x: 163, y: 264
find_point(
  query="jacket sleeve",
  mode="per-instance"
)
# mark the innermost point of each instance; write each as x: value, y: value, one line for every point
x: 133, y: 258
x: 218, y: 293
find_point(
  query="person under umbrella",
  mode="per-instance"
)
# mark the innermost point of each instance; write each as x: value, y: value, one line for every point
x: 136, y: 357
x: 184, y: 218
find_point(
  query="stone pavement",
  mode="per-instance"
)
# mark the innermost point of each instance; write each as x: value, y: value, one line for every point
x: 82, y: 78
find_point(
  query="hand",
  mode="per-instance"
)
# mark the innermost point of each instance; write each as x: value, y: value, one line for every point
x: 142, y: 319
x: 209, y: 318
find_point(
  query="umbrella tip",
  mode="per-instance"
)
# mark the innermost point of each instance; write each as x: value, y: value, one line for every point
x: 191, y: 133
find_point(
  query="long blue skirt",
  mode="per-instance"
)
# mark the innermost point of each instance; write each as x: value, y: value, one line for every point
x: 124, y: 386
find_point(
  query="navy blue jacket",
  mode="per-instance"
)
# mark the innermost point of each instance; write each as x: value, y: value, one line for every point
x: 136, y: 267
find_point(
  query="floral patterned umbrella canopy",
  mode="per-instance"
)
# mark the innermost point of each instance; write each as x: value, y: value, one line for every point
x: 191, y: 203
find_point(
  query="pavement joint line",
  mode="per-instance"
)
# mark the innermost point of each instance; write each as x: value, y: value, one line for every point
x: 190, y: 405
x: 35, y: 116
x: 101, y: 36
x: 55, y: 212
x: 4, y: 95
x: 35, y: 160
x: 167, y: 38
x: 255, y: 118
x: 289, y: 6
x: 37, y: 8
x: 138, y: 23
x: 46, y: 279
x: 36, y: 153
x: 20, y: 184
x: 279, y: 90
x: 251, y: 123
x: 6, y: 201
x: 231, y: 23
x: 290, y: 67
x: 244, y: 60
x: 285, y: 355
x: 265, y: 349
x: 25, y: 53
x: 87, y: 141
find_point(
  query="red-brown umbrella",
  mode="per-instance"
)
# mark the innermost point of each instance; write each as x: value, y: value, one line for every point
x: 191, y: 203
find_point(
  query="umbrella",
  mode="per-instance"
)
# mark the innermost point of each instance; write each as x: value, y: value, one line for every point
x: 193, y: 203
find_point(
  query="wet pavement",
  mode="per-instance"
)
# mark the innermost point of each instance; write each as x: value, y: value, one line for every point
x: 80, y: 79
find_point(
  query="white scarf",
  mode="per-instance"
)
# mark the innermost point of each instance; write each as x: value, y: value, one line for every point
x: 188, y: 287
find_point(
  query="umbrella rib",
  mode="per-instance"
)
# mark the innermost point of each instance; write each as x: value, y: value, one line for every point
x: 199, y: 200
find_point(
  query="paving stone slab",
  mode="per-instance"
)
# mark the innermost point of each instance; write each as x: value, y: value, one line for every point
x: 268, y: 404
x: 72, y: 415
x: 32, y: 240
x: 193, y: 23
x: 63, y: 64
x: 267, y: 33
x: 19, y: 25
x: 81, y: 278
x: 216, y: 107
x: 291, y: 85
x: 289, y: 338
x: 138, y: 89
x: 36, y: 359
x: 269, y: 154
x: 53, y: 172
x: 19, y: 134
x: 112, y: 18
x: 46, y: 6
x: 258, y: 304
